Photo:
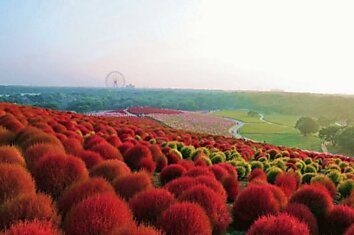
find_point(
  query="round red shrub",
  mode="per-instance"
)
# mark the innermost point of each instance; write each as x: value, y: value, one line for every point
x: 230, y: 168
x: 212, y: 203
x: 213, y: 184
x: 55, y: 172
x: 6, y: 136
x: 231, y: 187
x: 287, y: 182
x: 148, y: 205
x: 98, y: 214
x: 171, y: 172
x: 110, y: 169
x: 279, y: 195
x: 304, y: 215
x: 317, y: 199
x: 161, y: 163
x: 198, y: 171
x: 338, y: 220
x: 179, y: 185
x: 14, y: 180
x: 137, y: 158
x: 94, y: 140
x: 114, y: 140
x: 129, y: 185
x: 350, y: 230
x: 185, y: 218
x: 11, y: 155
x: 132, y: 229
x: 73, y: 146
x: 278, y: 224
x: 252, y: 203
x: 187, y: 164
x: 82, y: 190
x: 257, y: 174
x: 32, y: 228
x: 328, y: 184
x: 219, y: 172
x: 27, y: 207
x: 34, y: 153
x: 107, y: 151
x: 124, y: 147
x: 90, y: 158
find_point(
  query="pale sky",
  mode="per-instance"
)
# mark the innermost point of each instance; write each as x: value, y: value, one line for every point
x: 301, y: 45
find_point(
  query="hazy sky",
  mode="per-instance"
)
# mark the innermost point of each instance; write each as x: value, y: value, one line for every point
x: 216, y: 44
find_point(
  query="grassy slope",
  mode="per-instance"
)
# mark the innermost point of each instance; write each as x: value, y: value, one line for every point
x: 281, y: 132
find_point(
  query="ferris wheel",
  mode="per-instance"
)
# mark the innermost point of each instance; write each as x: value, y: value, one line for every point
x: 115, y: 79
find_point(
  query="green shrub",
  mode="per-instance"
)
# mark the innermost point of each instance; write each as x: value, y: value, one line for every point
x: 257, y: 164
x: 346, y: 187
x: 309, y: 169
x: 306, y: 178
x: 335, y: 176
x: 187, y: 151
x: 272, y: 173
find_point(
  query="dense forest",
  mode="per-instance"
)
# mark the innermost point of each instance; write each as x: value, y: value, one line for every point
x: 339, y: 107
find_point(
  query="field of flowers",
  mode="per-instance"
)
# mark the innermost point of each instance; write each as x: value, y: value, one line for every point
x: 196, y: 122
x: 67, y: 173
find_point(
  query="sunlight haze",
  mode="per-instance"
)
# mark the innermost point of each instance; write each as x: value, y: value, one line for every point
x: 302, y: 46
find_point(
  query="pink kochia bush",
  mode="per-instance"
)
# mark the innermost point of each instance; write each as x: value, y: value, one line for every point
x: 98, y: 215
x: 82, y: 190
x: 304, y: 215
x: 253, y: 202
x: 110, y: 169
x: 14, y: 180
x: 185, y: 218
x: 212, y: 203
x: 278, y: 224
x: 129, y: 185
x: 54, y: 173
x: 148, y: 205
x: 339, y: 219
x: 171, y: 172
x: 35, y: 227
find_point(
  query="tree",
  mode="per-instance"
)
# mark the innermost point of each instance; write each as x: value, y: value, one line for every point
x: 325, y: 121
x: 345, y: 138
x: 329, y: 133
x: 252, y: 113
x: 306, y: 125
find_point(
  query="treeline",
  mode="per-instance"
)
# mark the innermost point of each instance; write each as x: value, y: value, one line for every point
x: 95, y: 99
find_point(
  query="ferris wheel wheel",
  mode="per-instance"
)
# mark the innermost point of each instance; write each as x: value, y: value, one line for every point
x: 115, y: 79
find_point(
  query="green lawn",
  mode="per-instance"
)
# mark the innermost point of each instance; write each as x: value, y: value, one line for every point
x: 237, y: 114
x: 280, y: 130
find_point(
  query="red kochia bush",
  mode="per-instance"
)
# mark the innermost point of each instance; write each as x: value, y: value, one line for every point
x: 98, y: 214
x: 185, y: 218
x: 219, y: 172
x: 304, y: 215
x: 171, y: 172
x: 110, y: 169
x: 350, y: 230
x: 230, y: 168
x: 6, y: 136
x: 198, y: 171
x: 179, y: 185
x: 28, y: 207
x: 82, y: 190
x: 55, y: 172
x: 133, y: 229
x: 34, y: 153
x: 140, y: 157
x: 257, y: 174
x: 315, y: 198
x: 278, y: 224
x: 107, y: 151
x: 129, y: 185
x: 213, y: 184
x: 231, y: 187
x: 148, y: 205
x: 338, y: 220
x: 253, y: 202
x: 10, y: 154
x: 287, y: 182
x: 90, y: 158
x: 73, y: 146
x: 212, y: 203
x: 14, y: 180
x: 32, y: 228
